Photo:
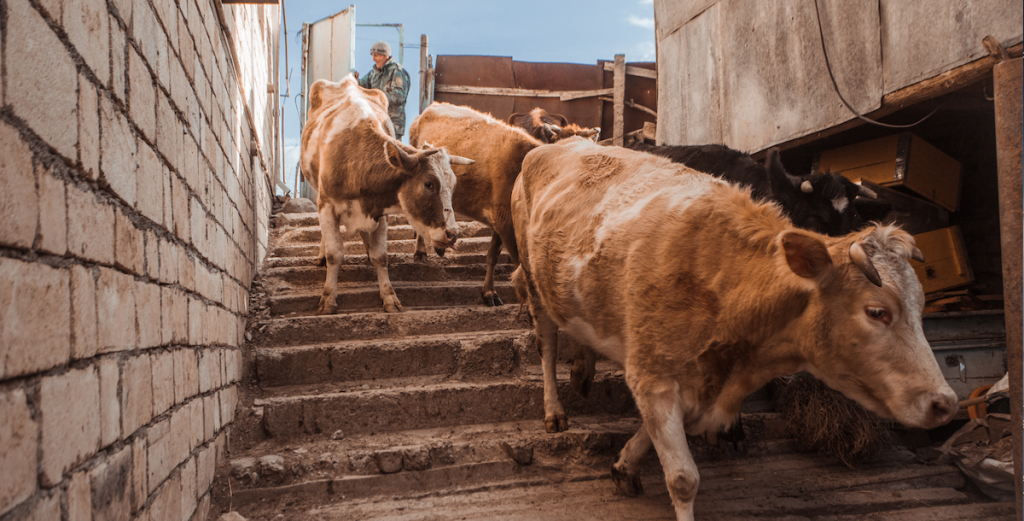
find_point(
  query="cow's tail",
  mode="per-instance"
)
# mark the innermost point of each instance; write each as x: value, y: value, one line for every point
x: 522, y: 285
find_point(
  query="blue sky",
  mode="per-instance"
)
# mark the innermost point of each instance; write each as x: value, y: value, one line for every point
x: 562, y: 31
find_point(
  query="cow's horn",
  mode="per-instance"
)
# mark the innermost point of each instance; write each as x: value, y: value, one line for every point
x: 459, y: 160
x: 916, y: 254
x: 861, y: 260
x: 864, y: 191
x: 806, y: 187
x: 589, y: 132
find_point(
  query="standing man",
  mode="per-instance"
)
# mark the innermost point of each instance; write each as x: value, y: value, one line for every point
x: 389, y: 77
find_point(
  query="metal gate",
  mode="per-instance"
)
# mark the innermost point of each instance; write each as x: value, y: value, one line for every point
x: 328, y: 52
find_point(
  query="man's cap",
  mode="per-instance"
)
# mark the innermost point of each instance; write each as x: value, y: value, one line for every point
x: 381, y: 47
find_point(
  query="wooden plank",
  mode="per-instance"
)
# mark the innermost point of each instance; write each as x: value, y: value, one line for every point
x: 619, y: 95
x: 564, y: 95
x: 632, y: 105
x: 423, y: 72
x: 634, y: 71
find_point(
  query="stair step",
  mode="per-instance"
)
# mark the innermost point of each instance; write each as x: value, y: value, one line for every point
x: 286, y: 220
x: 435, y: 405
x: 313, y: 276
x: 324, y: 329
x: 311, y: 233
x: 393, y: 258
x: 356, y: 247
x: 366, y: 296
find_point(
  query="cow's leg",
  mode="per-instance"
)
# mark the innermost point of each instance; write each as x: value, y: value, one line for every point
x: 547, y: 342
x: 493, y: 254
x: 583, y: 361
x: 333, y: 249
x: 421, y: 249
x: 376, y: 243
x: 625, y: 471
x: 662, y: 410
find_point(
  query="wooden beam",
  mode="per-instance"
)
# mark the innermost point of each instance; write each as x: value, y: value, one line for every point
x: 930, y: 88
x: 632, y: 105
x: 248, y: 1
x: 619, y: 98
x: 564, y: 95
x: 423, y: 72
x: 634, y: 71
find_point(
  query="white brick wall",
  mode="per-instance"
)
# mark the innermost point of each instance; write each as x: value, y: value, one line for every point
x: 128, y: 245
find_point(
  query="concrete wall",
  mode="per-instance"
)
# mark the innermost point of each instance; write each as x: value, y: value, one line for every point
x: 134, y: 214
x: 752, y: 74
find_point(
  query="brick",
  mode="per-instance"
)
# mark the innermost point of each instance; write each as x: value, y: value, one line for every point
x: 222, y: 448
x: 202, y: 510
x: 197, y: 322
x: 19, y: 435
x: 110, y: 405
x: 79, y: 496
x: 163, y: 382
x: 228, y: 402
x: 179, y: 316
x: 166, y: 185
x: 35, y: 317
x: 115, y: 308
x: 186, y: 270
x: 150, y: 38
x: 186, y: 375
x: 150, y: 184
x: 211, y: 416
x: 89, y: 128
x: 181, y: 430
x: 70, y: 428
x: 159, y: 454
x: 118, y: 148
x: 167, y: 13
x: 141, y: 95
x: 110, y: 483
x: 188, y: 489
x: 47, y: 508
x: 152, y: 255
x: 147, y: 306
x: 90, y: 227
x: 37, y: 62
x: 129, y: 253
x: 53, y: 224
x: 206, y: 467
x: 139, y: 474
x: 124, y: 9
x: 118, y: 61
x: 87, y: 27
x: 186, y: 49
x: 182, y: 220
x: 198, y: 224
x: 83, y: 313
x: 167, y: 503
x: 19, y: 203
x: 136, y: 393
x: 195, y: 424
x: 206, y: 369
x: 168, y: 131
x: 189, y: 168
x: 169, y: 262
x: 233, y: 365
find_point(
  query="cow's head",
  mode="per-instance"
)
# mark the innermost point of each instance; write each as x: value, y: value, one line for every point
x: 869, y: 342
x: 426, y: 190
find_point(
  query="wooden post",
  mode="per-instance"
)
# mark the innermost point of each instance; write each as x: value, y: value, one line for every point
x: 1006, y: 79
x: 429, y: 81
x: 423, y: 72
x: 618, y: 99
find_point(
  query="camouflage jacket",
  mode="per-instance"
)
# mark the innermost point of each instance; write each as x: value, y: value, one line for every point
x: 394, y: 82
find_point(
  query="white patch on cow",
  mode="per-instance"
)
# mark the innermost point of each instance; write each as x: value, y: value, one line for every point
x: 351, y: 215
x: 840, y: 204
x: 611, y: 347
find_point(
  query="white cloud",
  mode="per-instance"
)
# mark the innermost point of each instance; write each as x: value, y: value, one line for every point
x: 646, y: 23
x: 646, y: 51
x: 646, y: 2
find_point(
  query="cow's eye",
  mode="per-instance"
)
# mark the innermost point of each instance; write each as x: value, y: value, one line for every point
x: 880, y: 314
x: 429, y: 185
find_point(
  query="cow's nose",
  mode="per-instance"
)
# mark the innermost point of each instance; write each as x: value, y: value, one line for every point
x: 943, y: 409
x: 452, y: 237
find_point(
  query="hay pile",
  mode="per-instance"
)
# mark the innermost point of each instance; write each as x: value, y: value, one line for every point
x: 824, y: 420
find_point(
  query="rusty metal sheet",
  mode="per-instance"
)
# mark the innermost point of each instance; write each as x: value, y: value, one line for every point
x: 476, y: 71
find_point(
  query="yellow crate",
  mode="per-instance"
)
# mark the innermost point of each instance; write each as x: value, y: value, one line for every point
x: 946, y: 264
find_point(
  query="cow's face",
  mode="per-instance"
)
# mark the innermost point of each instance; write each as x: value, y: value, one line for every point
x: 872, y: 346
x: 426, y: 192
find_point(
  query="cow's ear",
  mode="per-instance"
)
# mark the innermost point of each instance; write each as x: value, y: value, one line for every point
x: 806, y: 256
x: 398, y: 158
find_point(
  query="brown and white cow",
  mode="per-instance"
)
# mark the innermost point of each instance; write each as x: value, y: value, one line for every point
x: 363, y: 173
x: 704, y: 295
x: 548, y: 128
x: 484, y: 189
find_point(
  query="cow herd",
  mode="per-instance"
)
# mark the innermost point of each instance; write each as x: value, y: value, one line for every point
x: 702, y: 287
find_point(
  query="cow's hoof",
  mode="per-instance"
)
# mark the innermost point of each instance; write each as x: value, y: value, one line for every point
x: 556, y: 423
x: 440, y: 251
x: 321, y: 261
x: 628, y: 485
x: 327, y: 306
x: 581, y: 380
x: 420, y: 256
x: 392, y: 305
x: 493, y: 300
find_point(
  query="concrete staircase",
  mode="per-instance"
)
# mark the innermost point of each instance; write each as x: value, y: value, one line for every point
x: 435, y: 413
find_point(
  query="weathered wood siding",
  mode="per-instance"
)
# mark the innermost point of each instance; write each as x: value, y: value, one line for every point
x: 752, y: 74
